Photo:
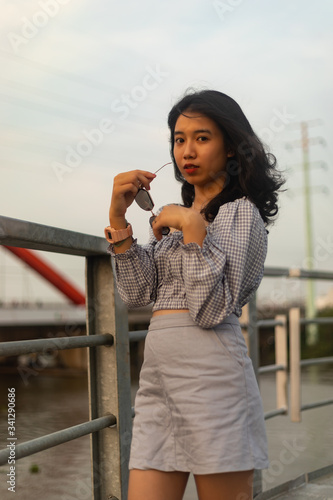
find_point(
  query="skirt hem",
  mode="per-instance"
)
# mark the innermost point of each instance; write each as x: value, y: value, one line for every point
x: 200, y: 470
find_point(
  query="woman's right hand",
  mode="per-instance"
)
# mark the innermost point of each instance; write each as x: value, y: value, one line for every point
x: 125, y: 188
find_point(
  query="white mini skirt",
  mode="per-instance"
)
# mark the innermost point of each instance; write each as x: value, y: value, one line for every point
x: 198, y: 408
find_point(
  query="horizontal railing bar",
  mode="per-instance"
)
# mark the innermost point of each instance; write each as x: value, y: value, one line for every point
x: 136, y: 335
x: 269, y: 323
x: 50, y: 440
x: 319, y: 321
x: 141, y: 334
x: 24, y: 234
x: 318, y: 404
x: 276, y: 272
x: 275, y: 413
x: 19, y: 347
x: 271, y: 368
x: 316, y: 361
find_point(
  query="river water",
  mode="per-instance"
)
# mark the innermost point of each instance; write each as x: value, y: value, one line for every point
x: 45, y: 404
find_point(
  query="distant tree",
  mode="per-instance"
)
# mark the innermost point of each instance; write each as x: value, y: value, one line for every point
x: 324, y: 347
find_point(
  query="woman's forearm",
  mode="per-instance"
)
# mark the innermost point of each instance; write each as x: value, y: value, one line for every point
x: 117, y: 222
x: 194, y: 229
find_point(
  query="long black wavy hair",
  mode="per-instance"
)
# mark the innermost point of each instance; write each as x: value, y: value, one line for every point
x: 250, y: 172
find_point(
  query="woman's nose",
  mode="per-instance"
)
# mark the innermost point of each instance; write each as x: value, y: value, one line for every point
x: 189, y: 150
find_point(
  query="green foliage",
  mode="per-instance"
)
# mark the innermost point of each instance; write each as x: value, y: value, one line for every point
x: 34, y: 468
x: 324, y: 346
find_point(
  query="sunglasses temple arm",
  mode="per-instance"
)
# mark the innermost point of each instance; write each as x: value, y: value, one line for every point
x: 165, y: 164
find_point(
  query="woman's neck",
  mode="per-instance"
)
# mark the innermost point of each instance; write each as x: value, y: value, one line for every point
x: 203, y: 194
x: 202, y: 198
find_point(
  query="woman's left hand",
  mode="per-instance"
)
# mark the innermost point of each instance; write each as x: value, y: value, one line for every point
x: 182, y: 219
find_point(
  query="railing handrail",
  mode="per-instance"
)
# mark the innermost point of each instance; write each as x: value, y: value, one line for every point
x: 59, y: 437
x: 19, y: 347
x: 25, y: 234
x: 290, y: 272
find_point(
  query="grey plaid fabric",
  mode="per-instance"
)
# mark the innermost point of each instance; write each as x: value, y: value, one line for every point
x: 213, y: 281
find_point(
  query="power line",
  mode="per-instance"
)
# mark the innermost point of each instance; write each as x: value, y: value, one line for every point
x: 53, y: 96
x: 57, y: 72
x: 43, y: 108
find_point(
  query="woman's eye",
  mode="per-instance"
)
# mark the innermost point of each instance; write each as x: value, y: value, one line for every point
x: 179, y: 140
x: 202, y: 138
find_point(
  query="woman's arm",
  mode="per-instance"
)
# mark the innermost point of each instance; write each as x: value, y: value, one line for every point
x: 221, y: 276
x: 183, y: 219
x: 136, y: 274
x: 134, y: 265
x: 125, y: 188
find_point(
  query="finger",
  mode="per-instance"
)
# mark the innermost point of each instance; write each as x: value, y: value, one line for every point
x: 134, y: 176
x: 147, y: 174
x: 157, y: 232
x: 125, y: 189
x: 159, y: 227
x: 137, y: 179
x: 145, y: 180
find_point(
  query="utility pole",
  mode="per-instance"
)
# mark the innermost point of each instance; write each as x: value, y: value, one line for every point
x: 310, y: 309
x: 311, y: 330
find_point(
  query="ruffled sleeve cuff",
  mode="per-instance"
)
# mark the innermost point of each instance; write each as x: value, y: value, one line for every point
x: 128, y: 254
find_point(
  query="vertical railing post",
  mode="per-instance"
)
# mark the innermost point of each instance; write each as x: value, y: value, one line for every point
x: 281, y: 358
x: 109, y: 381
x: 254, y: 354
x: 295, y: 365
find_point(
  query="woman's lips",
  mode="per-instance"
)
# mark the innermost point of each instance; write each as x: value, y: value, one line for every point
x: 190, y: 169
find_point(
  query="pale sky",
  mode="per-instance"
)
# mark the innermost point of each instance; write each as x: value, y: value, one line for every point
x: 85, y: 92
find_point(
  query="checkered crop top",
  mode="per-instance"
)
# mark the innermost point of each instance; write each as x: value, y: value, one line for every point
x: 213, y: 281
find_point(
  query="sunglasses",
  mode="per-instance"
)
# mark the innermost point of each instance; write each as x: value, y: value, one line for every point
x: 145, y: 202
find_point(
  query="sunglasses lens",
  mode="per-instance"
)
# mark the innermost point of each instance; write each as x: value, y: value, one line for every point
x: 165, y: 230
x: 144, y: 200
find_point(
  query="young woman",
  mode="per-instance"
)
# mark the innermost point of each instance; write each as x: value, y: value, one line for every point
x: 198, y: 407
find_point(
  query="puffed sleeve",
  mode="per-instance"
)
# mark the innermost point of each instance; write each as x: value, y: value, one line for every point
x: 136, y: 273
x: 221, y: 276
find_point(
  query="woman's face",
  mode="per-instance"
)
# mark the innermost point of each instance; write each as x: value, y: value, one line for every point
x: 200, y: 152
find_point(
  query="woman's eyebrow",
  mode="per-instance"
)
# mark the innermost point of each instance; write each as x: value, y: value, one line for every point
x: 200, y: 131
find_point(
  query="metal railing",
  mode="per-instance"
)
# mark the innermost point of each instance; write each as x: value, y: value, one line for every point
x: 282, y: 325
x: 108, y: 338
x: 296, y: 363
x: 110, y: 422
x: 281, y: 364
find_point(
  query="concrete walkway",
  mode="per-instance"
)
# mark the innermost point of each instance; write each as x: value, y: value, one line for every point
x: 317, y: 485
